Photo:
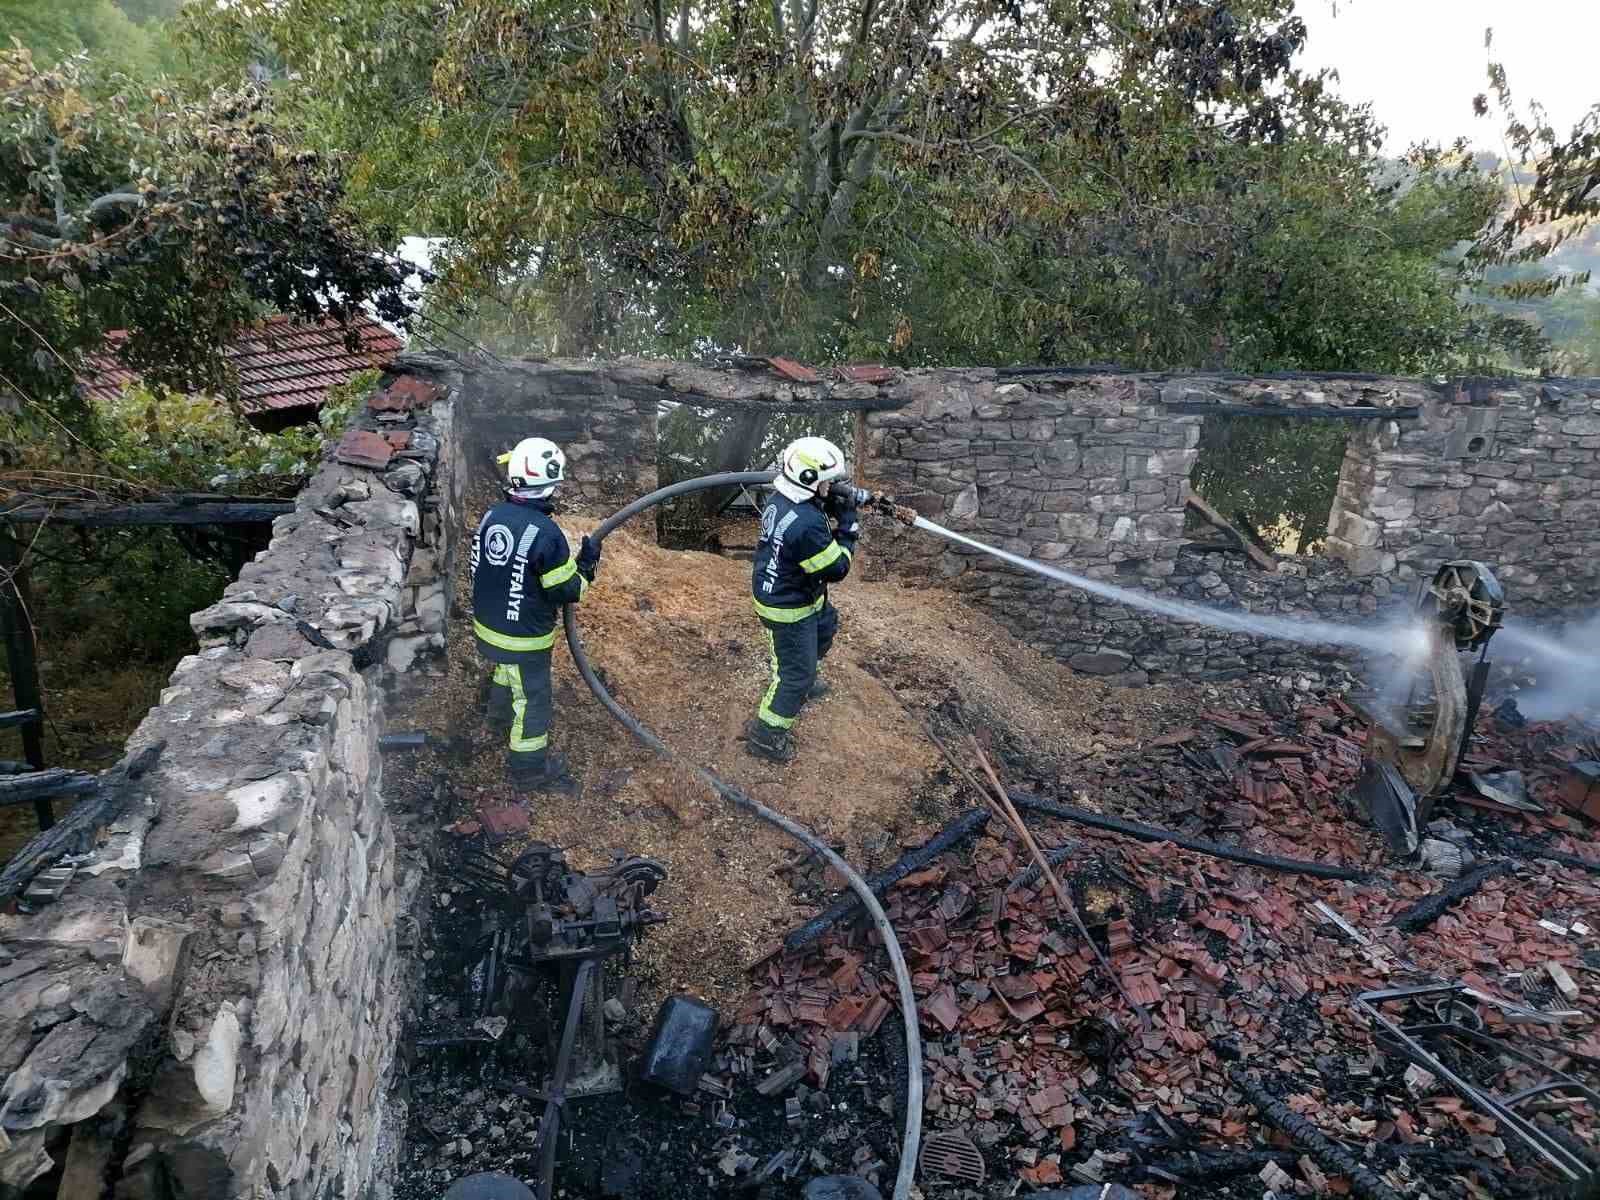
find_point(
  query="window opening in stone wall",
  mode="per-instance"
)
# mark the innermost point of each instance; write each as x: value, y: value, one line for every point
x: 693, y: 440
x: 1274, y: 478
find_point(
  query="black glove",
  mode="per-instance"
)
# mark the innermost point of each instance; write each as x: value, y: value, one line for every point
x: 588, y: 557
x: 840, y: 500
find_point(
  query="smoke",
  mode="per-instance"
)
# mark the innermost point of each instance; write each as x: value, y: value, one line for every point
x: 1564, y: 664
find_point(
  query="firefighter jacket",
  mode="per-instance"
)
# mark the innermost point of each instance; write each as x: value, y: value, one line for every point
x: 797, y: 557
x: 522, y: 573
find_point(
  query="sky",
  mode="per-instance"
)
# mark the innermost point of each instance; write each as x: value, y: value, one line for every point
x: 1420, y: 62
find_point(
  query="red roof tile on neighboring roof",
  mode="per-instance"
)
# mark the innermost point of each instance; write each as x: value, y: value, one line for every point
x: 280, y: 365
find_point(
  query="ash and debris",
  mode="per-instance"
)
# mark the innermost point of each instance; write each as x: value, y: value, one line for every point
x: 1030, y: 1051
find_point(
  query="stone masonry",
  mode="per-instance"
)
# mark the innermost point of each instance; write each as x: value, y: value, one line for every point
x: 1088, y: 469
x: 223, y: 980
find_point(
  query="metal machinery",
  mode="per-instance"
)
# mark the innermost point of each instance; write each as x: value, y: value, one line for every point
x: 1416, y: 743
x: 548, y: 930
x: 1439, y: 1027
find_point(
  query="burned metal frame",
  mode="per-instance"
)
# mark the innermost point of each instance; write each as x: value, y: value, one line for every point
x: 1502, y: 1108
x: 545, y: 917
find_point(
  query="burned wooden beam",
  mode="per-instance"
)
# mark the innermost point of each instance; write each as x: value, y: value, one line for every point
x: 94, y: 515
x: 76, y: 831
x: 1430, y: 908
x: 1216, y: 520
x: 1328, y: 1154
x: 45, y: 785
x: 958, y: 830
x: 1152, y: 833
x: 1329, y: 412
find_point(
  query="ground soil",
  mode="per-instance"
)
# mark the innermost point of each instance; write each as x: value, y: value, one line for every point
x: 673, y: 635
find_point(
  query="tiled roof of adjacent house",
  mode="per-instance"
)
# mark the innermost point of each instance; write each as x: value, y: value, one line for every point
x: 280, y: 365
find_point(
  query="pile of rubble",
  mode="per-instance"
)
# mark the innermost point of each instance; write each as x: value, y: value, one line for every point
x: 1238, y: 984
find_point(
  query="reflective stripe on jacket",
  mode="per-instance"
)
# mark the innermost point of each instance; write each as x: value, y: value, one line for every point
x: 522, y: 573
x: 796, y: 558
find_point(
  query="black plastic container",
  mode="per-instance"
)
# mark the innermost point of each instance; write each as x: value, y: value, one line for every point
x: 680, y: 1045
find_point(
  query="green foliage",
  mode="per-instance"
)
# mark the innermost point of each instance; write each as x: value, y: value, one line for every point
x: 976, y: 182
x: 58, y: 29
x: 1272, y: 477
x: 1555, y: 195
x: 175, y: 218
x: 173, y: 442
x: 145, y: 579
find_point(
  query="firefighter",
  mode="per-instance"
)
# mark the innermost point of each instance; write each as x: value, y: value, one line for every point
x: 522, y: 573
x: 797, y: 557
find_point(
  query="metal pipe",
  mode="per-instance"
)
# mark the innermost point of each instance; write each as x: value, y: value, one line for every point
x: 912, y: 1138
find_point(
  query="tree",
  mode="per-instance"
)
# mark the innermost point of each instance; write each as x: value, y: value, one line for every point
x: 1556, y: 194
x: 59, y: 29
x: 175, y: 219
x: 815, y: 171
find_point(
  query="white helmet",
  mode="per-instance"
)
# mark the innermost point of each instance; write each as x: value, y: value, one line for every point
x: 535, y: 466
x: 807, y: 464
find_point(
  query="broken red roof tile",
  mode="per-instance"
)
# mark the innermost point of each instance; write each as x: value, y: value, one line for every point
x: 790, y: 369
x: 363, y: 448
x: 866, y: 373
x: 502, y: 820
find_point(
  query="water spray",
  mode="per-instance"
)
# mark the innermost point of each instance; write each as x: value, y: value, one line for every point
x: 1405, y: 638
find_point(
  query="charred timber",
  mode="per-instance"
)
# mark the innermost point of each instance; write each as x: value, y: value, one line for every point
x: 45, y: 785
x: 1350, y: 412
x: 963, y: 827
x: 1529, y: 848
x: 1152, y: 833
x: 109, y: 516
x: 1200, y: 1166
x: 75, y: 832
x: 1430, y: 908
x: 1329, y: 1155
x: 26, y: 716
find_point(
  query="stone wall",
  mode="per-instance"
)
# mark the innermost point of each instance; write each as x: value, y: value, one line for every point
x: 1088, y: 470
x: 221, y: 980
x: 604, y: 421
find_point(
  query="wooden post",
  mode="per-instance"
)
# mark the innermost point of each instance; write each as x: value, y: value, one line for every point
x: 17, y: 626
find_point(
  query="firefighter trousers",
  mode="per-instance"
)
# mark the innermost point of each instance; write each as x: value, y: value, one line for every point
x: 795, y: 648
x: 519, y: 693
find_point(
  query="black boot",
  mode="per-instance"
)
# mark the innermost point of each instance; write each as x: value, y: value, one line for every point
x: 768, y: 742
x: 552, y: 777
x: 820, y: 687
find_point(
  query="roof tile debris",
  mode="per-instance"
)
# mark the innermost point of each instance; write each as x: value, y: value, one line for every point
x: 280, y: 365
x: 789, y: 369
x: 866, y: 373
x: 1031, y: 1052
x: 363, y: 448
x: 404, y: 394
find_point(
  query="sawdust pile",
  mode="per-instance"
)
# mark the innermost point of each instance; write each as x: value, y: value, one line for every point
x: 674, y: 638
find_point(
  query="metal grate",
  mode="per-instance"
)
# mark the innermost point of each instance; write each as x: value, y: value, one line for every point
x: 953, y: 1156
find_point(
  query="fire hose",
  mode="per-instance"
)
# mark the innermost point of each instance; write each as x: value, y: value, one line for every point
x: 908, y: 1001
